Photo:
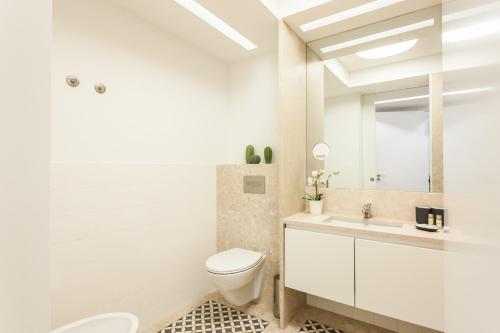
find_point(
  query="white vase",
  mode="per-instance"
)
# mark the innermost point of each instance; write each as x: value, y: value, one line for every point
x: 315, y: 207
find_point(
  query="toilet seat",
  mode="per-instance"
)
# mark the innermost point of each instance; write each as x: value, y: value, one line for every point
x: 233, y: 261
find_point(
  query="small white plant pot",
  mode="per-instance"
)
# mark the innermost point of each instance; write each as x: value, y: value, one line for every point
x: 315, y: 207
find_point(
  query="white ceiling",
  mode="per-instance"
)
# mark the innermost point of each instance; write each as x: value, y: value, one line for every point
x: 426, y: 46
x: 335, y: 87
x: 429, y: 40
x: 396, y: 89
x: 415, y: 104
x: 351, y: 74
x: 333, y: 7
x: 284, y: 8
x: 251, y: 18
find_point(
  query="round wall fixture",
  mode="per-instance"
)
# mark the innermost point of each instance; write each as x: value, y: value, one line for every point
x: 72, y: 81
x: 321, y: 151
x: 100, y: 88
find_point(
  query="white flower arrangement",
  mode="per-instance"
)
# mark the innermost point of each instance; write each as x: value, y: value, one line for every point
x: 319, y: 178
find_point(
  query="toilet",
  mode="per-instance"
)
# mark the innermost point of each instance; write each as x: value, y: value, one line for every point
x: 237, y: 274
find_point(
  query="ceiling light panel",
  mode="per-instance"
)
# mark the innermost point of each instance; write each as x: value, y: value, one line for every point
x: 387, y: 101
x: 468, y: 91
x: 210, y: 18
x: 449, y: 93
x: 378, y: 36
x: 347, y: 14
x: 388, y: 50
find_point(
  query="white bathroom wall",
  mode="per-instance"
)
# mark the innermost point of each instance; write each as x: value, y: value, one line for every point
x: 253, y: 98
x: 343, y: 135
x: 402, y: 150
x: 471, y: 169
x: 133, y: 173
x: 470, y: 128
x: 471, y: 198
x: 155, y: 82
x: 130, y: 237
x: 24, y: 160
x: 130, y: 165
x: 369, y: 154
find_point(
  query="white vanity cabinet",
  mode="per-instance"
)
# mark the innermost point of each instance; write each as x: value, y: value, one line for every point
x: 320, y: 264
x: 404, y: 282
x: 399, y: 281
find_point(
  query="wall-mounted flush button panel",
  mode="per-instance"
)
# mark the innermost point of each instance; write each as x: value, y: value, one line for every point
x: 254, y: 184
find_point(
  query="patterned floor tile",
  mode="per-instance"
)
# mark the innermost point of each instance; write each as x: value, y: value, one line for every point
x: 311, y: 326
x: 213, y: 317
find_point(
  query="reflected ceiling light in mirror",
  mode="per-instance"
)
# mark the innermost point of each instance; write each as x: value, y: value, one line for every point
x: 472, y: 32
x: 448, y: 93
x: 347, y: 14
x: 216, y: 23
x: 377, y: 36
x: 388, y: 50
x: 412, y: 98
x: 468, y: 91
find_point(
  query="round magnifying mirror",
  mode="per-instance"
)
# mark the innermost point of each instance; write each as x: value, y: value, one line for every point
x: 321, y: 151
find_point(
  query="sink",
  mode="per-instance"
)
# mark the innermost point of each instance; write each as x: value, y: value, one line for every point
x: 346, y: 224
x: 370, y: 224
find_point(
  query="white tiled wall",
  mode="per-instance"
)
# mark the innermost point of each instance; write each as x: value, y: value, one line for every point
x: 133, y: 174
x: 130, y: 237
x: 24, y: 165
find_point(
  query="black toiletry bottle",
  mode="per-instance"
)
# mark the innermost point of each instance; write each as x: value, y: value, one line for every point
x: 422, y: 213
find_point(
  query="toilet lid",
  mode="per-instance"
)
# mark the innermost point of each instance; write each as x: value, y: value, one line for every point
x: 232, y: 261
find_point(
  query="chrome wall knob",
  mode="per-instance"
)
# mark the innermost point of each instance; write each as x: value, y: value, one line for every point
x: 100, y: 88
x: 72, y: 81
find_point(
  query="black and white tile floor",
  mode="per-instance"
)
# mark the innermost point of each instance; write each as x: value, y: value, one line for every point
x: 213, y: 317
x: 311, y: 326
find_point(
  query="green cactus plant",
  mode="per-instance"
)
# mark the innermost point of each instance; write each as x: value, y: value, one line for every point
x: 249, y: 153
x: 268, y: 155
x: 255, y: 159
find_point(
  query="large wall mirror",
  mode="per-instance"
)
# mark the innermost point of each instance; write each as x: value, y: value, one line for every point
x: 374, y: 98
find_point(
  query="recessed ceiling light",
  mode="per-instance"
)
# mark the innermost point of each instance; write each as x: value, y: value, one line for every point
x: 449, y: 93
x: 347, y: 14
x: 468, y: 91
x: 216, y: 23
x: 388, y: 50
x: 412, y: 98
x: 472, y: 32
x: 379, y: 35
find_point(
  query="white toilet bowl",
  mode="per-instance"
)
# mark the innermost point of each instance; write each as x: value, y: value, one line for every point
x: 237, y: 274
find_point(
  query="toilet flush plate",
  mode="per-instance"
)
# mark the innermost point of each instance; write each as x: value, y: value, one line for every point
x: 254, y: 184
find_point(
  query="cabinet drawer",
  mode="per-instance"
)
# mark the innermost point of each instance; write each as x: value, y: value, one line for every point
x: 400, y: 281
x: 320, y: 264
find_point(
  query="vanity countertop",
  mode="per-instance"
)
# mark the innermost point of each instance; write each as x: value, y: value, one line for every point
x: 406, y: 234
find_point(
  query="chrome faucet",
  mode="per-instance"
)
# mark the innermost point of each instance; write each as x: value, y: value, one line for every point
x: 367, y: 210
